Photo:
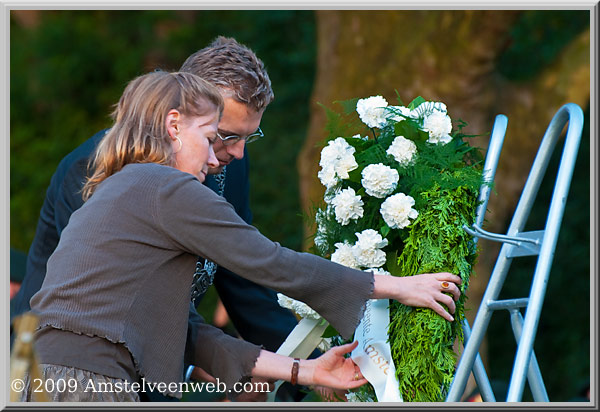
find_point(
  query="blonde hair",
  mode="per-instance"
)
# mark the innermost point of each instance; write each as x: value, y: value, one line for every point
x: 234, y: 69
x: 139, y: 133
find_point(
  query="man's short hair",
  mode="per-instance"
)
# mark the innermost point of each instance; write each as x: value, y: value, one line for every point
x: 234, y: 67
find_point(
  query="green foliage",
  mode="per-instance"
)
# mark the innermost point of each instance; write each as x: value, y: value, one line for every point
x: 72, y: 66
x: 421, y: 341
x: 344, y: 123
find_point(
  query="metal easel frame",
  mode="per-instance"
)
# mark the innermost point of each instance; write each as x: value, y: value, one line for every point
x: 518, y: 243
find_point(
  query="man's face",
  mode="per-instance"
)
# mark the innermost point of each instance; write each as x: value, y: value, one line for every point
x: 238, y: 119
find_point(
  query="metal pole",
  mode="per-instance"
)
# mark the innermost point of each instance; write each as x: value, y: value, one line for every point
x: 572, y: 113
x: 534, y: 376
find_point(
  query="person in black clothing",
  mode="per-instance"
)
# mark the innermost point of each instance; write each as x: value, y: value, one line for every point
x: 246, y: 89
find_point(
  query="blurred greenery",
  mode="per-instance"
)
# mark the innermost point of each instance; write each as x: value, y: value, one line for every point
x: 537, y: 38
x: 68, y: 67
x: 72, y: 66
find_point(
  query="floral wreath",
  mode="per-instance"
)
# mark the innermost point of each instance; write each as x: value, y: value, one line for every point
x: 397, y: 195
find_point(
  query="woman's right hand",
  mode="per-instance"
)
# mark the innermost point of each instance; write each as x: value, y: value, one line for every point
x: 332, y: 369
x: 426, y: 290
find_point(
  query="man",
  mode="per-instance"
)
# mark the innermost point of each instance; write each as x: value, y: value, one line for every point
x: 246, y: 89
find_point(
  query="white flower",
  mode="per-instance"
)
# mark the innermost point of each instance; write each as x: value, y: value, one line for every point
x: 370, y: 239
x: 378, y: 271
x: 371, y: 111
x: 367, y: 249
x: 299, y: 308
x: 337, y: 159
x: 344, y: 255
x: 338, y: 152
x: 379, y: 180
x: 328, y: 177
x: 397, y: 210
x: 439, y: 125
x: 403, y: 150
x: 358, y: 136
x: 348, y: 205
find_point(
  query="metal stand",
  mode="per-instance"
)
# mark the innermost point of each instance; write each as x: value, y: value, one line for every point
x: 517, y: 243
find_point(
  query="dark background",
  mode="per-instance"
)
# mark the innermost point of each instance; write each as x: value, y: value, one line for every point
x: 68, y: 67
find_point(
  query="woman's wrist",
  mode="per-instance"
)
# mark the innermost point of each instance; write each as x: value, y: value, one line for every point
x: 384, y: 287
x: 306, y: 372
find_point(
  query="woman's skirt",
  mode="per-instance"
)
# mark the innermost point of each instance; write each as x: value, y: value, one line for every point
x: 68, y: 384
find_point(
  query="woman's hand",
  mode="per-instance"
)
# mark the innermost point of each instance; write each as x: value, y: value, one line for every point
x: 427, y: 290
x: 332, y: 370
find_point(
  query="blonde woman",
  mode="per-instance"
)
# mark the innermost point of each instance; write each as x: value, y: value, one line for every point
x: 114, y: 304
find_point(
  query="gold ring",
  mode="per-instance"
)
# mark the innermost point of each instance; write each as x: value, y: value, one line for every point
x: 356, y: 376
x: 445, y: 285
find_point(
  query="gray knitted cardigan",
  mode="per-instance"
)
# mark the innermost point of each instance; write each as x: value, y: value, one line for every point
x: 124, y: 266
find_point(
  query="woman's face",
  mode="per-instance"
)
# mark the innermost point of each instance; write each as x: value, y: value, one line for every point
x: 195, y: 155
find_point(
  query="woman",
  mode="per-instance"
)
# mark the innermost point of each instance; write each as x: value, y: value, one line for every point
x: 114, y: 304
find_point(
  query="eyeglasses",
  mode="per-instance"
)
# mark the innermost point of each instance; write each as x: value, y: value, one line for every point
x: 233, y: 139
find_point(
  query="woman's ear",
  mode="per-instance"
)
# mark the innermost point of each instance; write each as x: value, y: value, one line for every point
x: 172, y: 123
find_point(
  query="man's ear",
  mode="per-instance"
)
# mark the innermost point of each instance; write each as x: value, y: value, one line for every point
x: 172, y: 122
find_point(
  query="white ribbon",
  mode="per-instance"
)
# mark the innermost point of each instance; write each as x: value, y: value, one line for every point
x: 373, y: 354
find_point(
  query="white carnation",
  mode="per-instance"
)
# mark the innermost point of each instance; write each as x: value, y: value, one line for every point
x: 372, y: 111
x: 367, y: 250
x: 348, y: 205
x: 337, y: 159
x: 328, y: 177
x: 345, y: 165
x: 397, y: 210
x: 299, y: 308
x: 439, y: 125
x: 378, y: 271
x: 403, y: 150
x: 379, y: 180
x: 344, y: 255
